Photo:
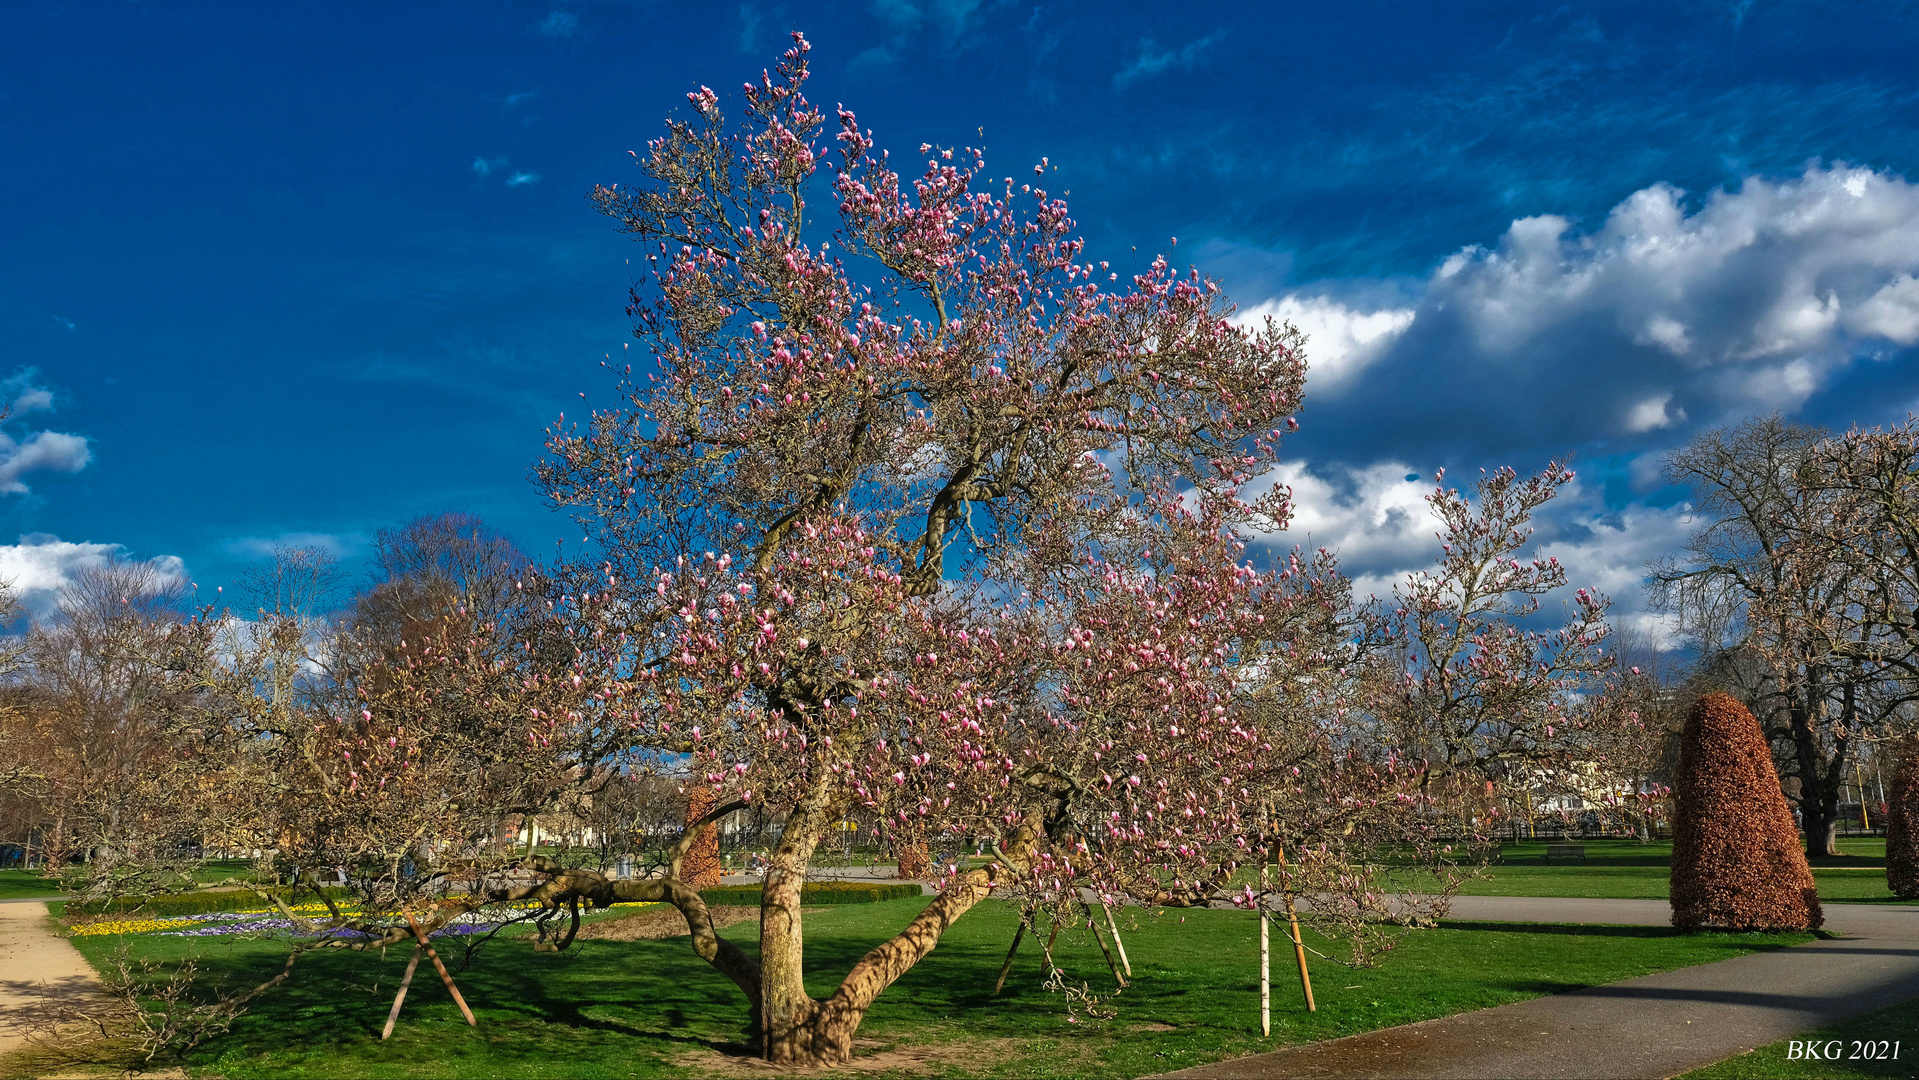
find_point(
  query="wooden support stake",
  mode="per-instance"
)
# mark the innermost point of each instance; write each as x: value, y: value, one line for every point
x: 399, y: 998
x: 1106, y: 952
x: 1299, y: 947
x: 1007, y: 967
x: 1121, y: 945
x: 1299, y: 952
x: 1265, y: 977
x: 1859, y: 784
x: 420, y: 936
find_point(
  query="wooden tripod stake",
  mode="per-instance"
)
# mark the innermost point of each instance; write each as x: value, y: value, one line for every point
x: 1008, y: 965
x: 1108, y: 953
x: 399, y: 999
x: 420, y: 936
x: 1859, y: 783
x: 1121, y: 945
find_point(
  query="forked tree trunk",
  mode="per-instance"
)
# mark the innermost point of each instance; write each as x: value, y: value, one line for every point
x: 792, y: 1028
x: 787, y: 1011
x: 813, y: 1033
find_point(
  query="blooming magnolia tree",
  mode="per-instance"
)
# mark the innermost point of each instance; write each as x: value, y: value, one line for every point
x: 932, y: 519
x: 1494, y: 705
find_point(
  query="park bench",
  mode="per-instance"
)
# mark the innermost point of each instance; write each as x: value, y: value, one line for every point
x: 1564, y: 851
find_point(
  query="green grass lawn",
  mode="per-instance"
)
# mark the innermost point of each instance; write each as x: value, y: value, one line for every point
x: 650, y: 1008
x: 1629, y: 869
x: 1899, y: 1024
x: 19, y: 883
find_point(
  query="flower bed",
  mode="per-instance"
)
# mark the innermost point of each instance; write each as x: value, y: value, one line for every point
x: 185, y: 903
x: 270, y: 921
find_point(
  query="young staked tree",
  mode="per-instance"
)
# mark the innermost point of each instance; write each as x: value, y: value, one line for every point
x: 1496, y: 707
x: 917, y: 513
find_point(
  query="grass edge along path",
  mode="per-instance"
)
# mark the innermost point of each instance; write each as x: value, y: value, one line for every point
x: 649, y: 1008
x: 1656, y: 1025
x: 1898, y: 1024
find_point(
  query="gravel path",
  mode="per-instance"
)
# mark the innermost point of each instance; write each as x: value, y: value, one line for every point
x: 1653, y: 1026
x: 37, y: 966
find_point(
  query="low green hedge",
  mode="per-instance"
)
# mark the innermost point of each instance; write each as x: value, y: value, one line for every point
x: 197, y: 903
x: 816, y: 892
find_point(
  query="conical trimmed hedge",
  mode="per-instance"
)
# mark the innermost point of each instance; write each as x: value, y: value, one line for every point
x: 1902, y: 821
x: 1736, y: 856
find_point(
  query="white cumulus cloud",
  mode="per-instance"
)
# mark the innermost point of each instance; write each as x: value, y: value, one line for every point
x: 40, y: 565
x: 1378, y: 520
x: 1340, y: 340
x: 1780, y: 281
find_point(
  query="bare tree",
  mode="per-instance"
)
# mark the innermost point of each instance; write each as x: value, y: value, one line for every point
x: 1781, y: 589
x: 98, y: 705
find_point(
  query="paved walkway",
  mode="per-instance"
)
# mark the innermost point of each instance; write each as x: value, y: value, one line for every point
x: 1653, y: 1026
x: 37, y: 966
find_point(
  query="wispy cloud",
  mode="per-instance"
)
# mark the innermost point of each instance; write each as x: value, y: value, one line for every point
x: 27, y: 393
x: 513, y: 101
x: 560, y: 24
x: 486, y: 167
x: 260, y: 547
x: 749, y: 28
x: 41, y: 451
x: 1152, y: 59
x: 65, y: 323
x: 953, y: 21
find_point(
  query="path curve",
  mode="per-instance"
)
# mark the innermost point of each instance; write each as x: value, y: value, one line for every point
x: 37, y: 967
x: 1653, y: 1026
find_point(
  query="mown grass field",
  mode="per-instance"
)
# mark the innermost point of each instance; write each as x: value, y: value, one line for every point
x: 20, y: 883
x: 1629, y: 869
x: 650, y: 1008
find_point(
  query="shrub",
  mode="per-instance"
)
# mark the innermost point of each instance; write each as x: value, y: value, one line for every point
x: 1736, y: 856
x: 816, y: 892
x: 1902, y: 817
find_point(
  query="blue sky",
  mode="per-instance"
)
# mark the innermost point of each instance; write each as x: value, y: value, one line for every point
x: 296, y: 272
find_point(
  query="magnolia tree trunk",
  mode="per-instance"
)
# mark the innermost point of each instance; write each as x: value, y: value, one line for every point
x: 798, y: 1030
x: 787, y: 1012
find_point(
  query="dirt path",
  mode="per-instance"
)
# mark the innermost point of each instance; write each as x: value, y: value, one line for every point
x: 1653, y: 1026
x: 37, y: 966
